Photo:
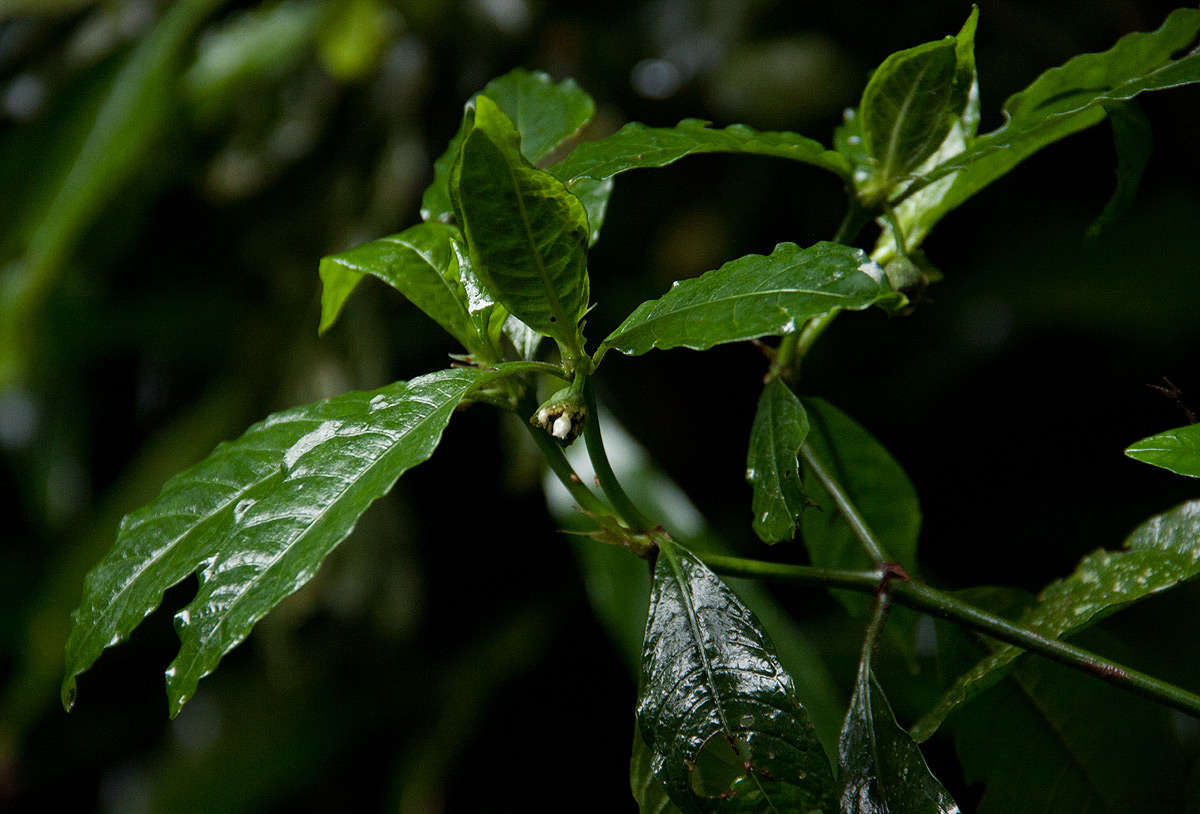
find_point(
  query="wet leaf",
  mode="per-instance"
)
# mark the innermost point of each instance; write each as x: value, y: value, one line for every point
x: 636, y: 146
x: 528, y: 236
x: 546, y: 114
x: 772, y: 466
x: 756, y: 295
x: 1160, y: 554
x: 255, y: 519
x: 648, y: 790
x: 1177, y: 450
x: 716, y: 707
x: 427, y: 263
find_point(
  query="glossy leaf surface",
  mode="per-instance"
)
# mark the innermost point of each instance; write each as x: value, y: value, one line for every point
x: 772, y: 466
x: 715, y: 705
x: 882, y: 769
x: 528, y: 235
x: 1177, y: 450
x: 636, y: 146
x: 255, y: 519
x: 427, y: 263
x: 545, y: 114
x: 1160, y: 554
x: 756, y: 295
x: 908, y: 107
x: 1072, y: 97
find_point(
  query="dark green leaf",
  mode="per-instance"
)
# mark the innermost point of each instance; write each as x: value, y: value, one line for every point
x: 528, y: 235
x: 648, y: 790
x: 882, y: 769
x: 635, y: 146
x: 1072, y: 97
x: 754, y: 296
x: 907, y: 108
x: 429, y: 265
x: 255, y: 519
x: 1160, y: 554
x: 1133, y: 141
x: 1050, y: 739
x: 715, y: 705
x: 772, y: 466
x: 545, y: 114
x: 1177, y: 450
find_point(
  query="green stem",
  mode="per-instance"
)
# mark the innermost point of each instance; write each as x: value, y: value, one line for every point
x: 858, y: 523
x: 562, y: 469
x: 921, y: 597
x: 520, y: 368
x: 628, y: 512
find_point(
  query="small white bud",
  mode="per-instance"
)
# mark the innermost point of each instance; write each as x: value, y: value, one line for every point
x: 543, y: 416
x: 562, y: 427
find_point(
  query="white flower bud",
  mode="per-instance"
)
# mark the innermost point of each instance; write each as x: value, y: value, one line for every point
x: 562, y: 427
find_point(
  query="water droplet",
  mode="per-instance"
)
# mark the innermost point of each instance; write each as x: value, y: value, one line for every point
x: 855, y: 140
x: 750, y: 473
x: 747, y: 721
x: 860, y: 176
x: 377, y: 402
x: 675, y: 284
x: 243, y: 506
x: 800, y: 775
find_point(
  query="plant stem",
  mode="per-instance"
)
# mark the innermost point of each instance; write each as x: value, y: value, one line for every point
x: 518, y: 368
x: 858, y: 524
x: 629, y: 513
x: 937, y: 603
x: 562, y: 469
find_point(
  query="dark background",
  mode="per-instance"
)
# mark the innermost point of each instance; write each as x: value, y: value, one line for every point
x: 446, y: 656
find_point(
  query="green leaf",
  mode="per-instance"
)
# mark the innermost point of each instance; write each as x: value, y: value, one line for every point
x: 636, y: 146
x: 907, y: 108
x: 1134, y: 142
x: 1177, y: 450
x: 427, y: 263
x: 754, y: 296
x: 528, y: 235
x: 545, y: 114
x: 1072, y: 97
x: 1050, y: 739
x: 882, y: 769
x: 1160, y: 554
x: 255, y: 519
x: 594, y: 196
x: 715, y: 705
x: 648, y: 791
x: 772, y: 466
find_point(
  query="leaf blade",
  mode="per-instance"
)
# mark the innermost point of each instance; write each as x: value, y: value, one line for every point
x: 772, y: 463
x: 1177, y: 450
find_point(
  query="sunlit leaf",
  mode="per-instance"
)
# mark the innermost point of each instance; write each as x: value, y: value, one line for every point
x: 1177, y: 450
x: 772, y: 466
x: 255, y: 519
x: 715, y: 705
x: 756, y: 295
x: 1160, y: 554
x: 528, y: 236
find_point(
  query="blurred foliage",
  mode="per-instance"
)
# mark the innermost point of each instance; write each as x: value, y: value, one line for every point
x: 170, y: 173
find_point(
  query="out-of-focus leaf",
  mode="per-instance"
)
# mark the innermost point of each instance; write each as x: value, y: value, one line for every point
x: 1177, y: 450
x: 352, y: 40
x: 648, y: 790
x: 715, y: 705
x: 1050, y: 739
x: 772, y: 466
x: 882, y: 770
x: 255, y: 519
x: 1072, y: 97
x: 907, y: 108
x: 427, y: 263
x: 1134, y: 141
x: 756, y: 295
x: 546, y: 114
x: 1160, y: 554
x: 635, y: 146
x: 528, y: 236
x: 134, y: 109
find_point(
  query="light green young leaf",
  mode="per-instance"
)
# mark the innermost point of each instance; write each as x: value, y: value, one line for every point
x: 907, y: 108
x: 255, y: 519
x: 1133, y: 141
x: 636, y: 146
x: 1177, y: 450
x: 772, y: 466
x: 1072, y: 97
x: 756, y: 295
x: 1160, y: 554
x: 427, y: 263
x: 545, y: 114
x: 882, y: 770
x: 528, y: 236
x: 716, y: 707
